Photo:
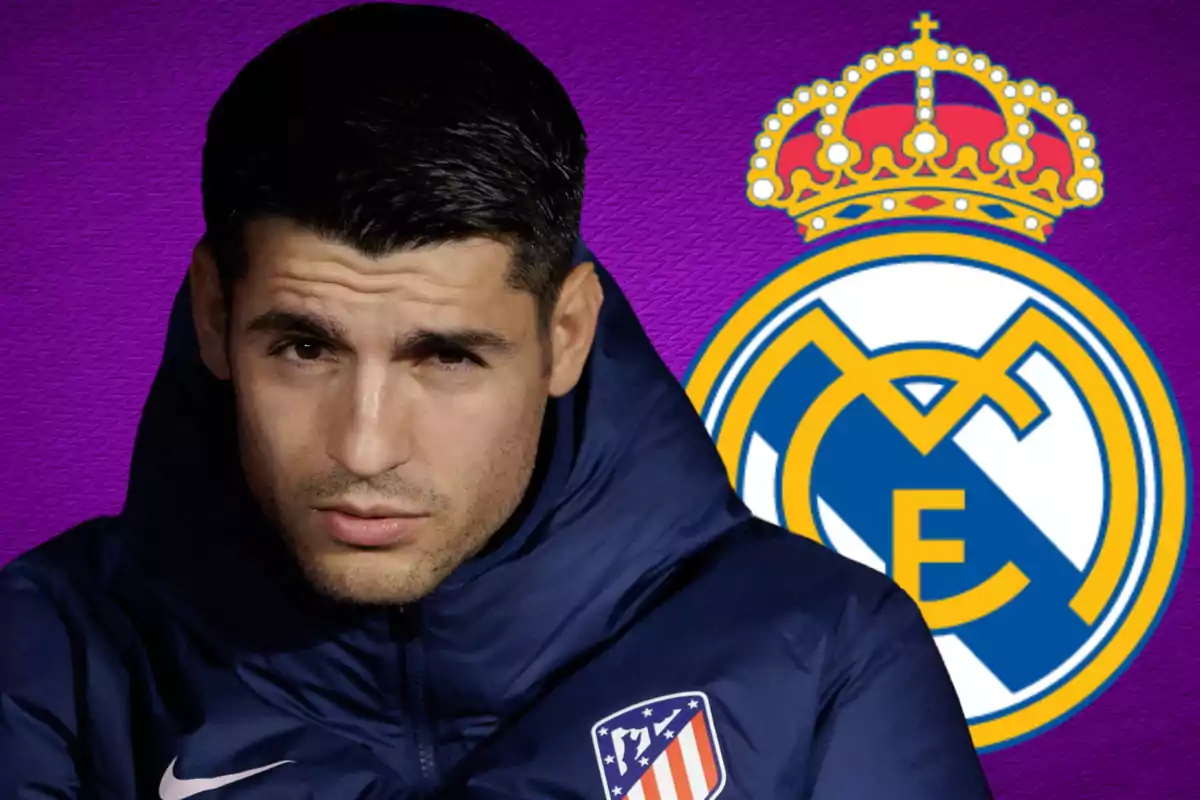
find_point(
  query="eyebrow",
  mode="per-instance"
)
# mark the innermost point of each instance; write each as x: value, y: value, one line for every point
x: 418, y: 341
x: 299, y: 324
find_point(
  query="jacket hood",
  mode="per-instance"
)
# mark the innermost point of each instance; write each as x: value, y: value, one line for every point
x: 627, y: 486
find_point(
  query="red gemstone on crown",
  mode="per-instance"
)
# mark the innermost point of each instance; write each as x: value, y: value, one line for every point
x: 925, y: 202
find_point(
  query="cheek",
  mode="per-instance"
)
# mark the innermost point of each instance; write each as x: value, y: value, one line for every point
x: 470, y: 439
x: 278, y: 424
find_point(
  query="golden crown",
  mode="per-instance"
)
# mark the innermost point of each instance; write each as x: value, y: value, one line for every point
x: 960, y: 162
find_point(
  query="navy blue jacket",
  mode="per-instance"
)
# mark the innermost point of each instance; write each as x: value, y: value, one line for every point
x: 174, y: 650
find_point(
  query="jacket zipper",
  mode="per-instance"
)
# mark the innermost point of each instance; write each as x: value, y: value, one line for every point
x: 423, y: 734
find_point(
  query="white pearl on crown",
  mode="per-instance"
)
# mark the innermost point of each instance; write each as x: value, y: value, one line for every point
x: 762, y: 189
x: 838, y: 153
x: 1012, y: 153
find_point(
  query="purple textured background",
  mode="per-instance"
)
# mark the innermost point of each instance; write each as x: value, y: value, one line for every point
x: 102, y: 109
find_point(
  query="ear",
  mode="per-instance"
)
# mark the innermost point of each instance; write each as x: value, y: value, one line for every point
x: 573, y: 327
x: 208, y: 311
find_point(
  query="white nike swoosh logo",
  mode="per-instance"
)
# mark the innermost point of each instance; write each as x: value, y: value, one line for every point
x: 173, y: 788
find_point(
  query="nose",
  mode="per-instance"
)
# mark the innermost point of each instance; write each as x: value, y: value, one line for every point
x: 370, y: 434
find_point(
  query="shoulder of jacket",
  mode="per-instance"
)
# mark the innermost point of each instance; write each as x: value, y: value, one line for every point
x: 79, y: 562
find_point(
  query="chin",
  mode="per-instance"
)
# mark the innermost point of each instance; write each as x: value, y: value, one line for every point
x: 371, y: 578
x: 382, y: 576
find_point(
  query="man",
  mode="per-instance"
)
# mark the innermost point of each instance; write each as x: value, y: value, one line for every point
x: 416, y: 510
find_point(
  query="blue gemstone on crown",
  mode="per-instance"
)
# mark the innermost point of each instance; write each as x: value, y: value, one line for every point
x: 997, y: 211
x: 853, y: 211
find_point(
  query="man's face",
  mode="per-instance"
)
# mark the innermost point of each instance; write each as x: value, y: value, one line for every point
x: 389, y: 409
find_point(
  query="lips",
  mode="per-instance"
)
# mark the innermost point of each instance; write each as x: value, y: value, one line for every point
x: 375, y: 528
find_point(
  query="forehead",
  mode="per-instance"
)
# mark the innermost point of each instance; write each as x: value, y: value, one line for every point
x: 289, y: 263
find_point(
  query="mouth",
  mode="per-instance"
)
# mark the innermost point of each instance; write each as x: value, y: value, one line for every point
x: 371, y: 526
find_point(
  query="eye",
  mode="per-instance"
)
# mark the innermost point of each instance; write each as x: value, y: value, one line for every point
x: 299, y: 350
x: 454, y: 358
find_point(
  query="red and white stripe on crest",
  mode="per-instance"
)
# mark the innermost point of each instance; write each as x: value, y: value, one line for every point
x: 686, y: 770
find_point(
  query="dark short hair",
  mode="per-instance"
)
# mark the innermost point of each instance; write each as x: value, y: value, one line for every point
x: 387, y: 126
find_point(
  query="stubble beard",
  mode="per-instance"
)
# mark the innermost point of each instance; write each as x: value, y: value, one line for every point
x: 409, y: 572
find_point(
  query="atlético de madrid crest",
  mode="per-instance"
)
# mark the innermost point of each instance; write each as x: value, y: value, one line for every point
x: 929, y: 393
x: 664, y: 748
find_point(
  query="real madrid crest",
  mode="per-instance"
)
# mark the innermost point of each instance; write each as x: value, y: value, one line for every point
x: 943, y: 401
